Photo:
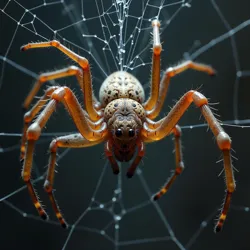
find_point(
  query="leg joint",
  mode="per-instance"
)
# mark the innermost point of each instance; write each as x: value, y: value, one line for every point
x: 179, y: 168
x: 231, y: 187
x: 25, y: 176
x: 59, y: 94
x: 157, y: 49
x: 199, y: 99
x: 177, y: 131
x: 48, y: 187
x: 74, y: 70
x: 27, y: 117
x: 83, y: 62
x: 156, y: 22
x: 53, y: 146
x: 55, y: 43
x: 223, y: 141
x: 170, y: 72
x: 43, y: 78
x: 189, y: 63
x: 50, y: 90
x: 34, y: 131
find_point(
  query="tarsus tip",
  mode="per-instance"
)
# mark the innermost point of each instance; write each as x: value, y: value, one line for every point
x: 217, y: 228
x: 64, y: 225
x: 116, y: 172
x: 44, y: 216
x: 213, y: 74
x: 129, y: 175
x: 155, y: 197
x: 23, y: 48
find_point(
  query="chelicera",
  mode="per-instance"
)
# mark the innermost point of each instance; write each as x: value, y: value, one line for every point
x: 121, y: 118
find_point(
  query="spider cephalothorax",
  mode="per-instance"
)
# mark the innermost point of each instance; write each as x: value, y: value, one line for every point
x: 121, y: 118
x: 125, y: 118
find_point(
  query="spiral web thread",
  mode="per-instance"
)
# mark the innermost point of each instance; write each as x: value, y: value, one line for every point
x: 127, y: 53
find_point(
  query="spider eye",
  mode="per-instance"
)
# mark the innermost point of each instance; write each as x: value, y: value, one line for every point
x: 118, y: 132
x: 131, y: 133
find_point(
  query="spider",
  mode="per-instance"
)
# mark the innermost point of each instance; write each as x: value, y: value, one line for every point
x: 121, y: 118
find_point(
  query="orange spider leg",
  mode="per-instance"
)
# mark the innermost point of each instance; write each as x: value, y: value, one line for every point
x: 109, y: 154
x: 152, y: 124
x: 95, y: 125
x: 171, y: 72
x: 223, y: 140
x: 66, y: 96
x: 156, y: 67
x: 29, y: 116
x: 178, y: 162
x: 44, y: 77
x: 83, y: 62
x: 140, y: 154
x: 68, y: 141
x: 26, y: 173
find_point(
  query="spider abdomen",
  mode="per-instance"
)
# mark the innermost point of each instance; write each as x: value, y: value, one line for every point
x: 121, y: 84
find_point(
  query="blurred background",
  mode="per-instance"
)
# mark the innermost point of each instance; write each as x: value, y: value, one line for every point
x: 121, y: 215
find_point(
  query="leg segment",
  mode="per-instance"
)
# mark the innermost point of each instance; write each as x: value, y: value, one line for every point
x: 82, y: 61
x: 156, y: 61
x: 223, y: 140
x: 178, y: 161
x: 69, y: 141
x: 65, y: 95
x: 29, y: 116
x: 109, y: 154
x: 70, y: 71
x: 86, y: 78
x: 26, y: 173
x: 141, y: 152
x: 171, y: 72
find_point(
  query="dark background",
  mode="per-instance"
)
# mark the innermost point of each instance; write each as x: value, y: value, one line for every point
x: 198, y: 192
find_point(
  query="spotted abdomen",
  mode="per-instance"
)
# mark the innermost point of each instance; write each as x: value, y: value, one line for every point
x: 121, y: 84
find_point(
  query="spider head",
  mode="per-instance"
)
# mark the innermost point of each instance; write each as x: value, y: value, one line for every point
x: 125, y: 132
x: 124, y: 126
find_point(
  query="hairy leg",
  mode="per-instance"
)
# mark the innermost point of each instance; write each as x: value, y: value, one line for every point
x: 171, y: 72
x: 66, y: 96
x: 29, y: 116
x: 223, y: 140
x: 69, y: 141
x: 112, y: 160
x: 90, y: 102
x: 44, y: 77
x: 156, y: 67
x: 178, y: 163
x: 137, y: 160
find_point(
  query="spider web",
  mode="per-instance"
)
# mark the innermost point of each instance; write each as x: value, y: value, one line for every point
x: 106, y: 211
